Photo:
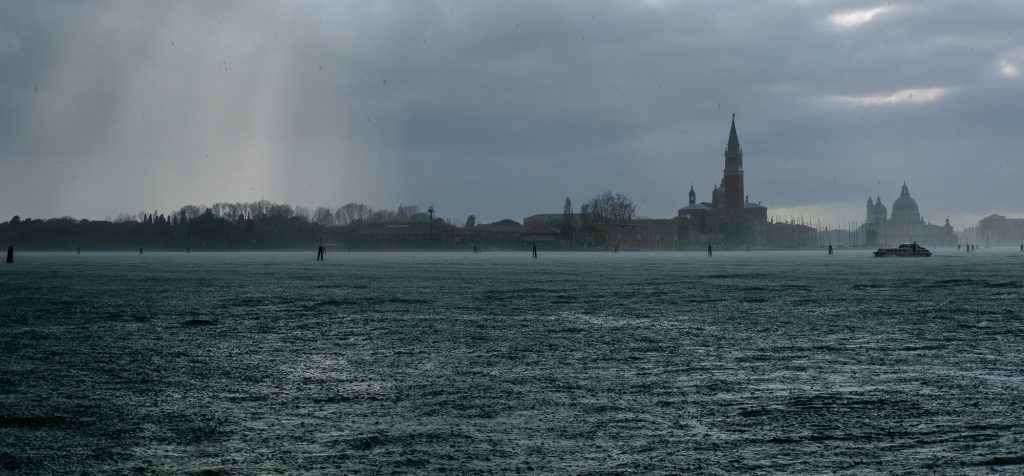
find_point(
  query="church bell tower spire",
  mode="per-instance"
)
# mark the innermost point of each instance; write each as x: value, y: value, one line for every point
x: 734, y: 140
x: 733, y: 180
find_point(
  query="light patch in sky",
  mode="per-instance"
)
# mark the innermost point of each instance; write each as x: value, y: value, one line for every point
x: 913, y: 95
x: 850, y: 214
x: 855, y: 18
x: 502, y: 109
x: 1008, y: 69
x: 821, y: 215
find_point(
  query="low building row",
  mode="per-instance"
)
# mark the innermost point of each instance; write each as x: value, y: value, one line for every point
x: 551, y: 232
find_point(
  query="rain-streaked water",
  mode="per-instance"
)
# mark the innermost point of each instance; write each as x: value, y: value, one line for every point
x: 573, y: 363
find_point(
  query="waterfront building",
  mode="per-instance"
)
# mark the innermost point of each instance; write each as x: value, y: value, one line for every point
x: 730, y: 218
x: 638, y: 234
x: 903, y: 225
x: 997, y: 230
x: 542, y: 236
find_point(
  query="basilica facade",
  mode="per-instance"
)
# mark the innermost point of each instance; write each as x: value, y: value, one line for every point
x: 903, y: 225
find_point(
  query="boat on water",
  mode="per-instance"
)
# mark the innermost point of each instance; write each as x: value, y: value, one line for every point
x: 906, y: 249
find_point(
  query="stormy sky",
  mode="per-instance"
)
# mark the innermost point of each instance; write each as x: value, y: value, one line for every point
x: 502, y: 109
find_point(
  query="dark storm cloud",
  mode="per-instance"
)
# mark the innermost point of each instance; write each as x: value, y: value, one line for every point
x: 504, y: 108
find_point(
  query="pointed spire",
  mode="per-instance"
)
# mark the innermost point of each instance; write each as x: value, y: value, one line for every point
x: 734, y: 141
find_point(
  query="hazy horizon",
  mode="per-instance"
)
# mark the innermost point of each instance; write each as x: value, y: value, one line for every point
x: 501, y: 110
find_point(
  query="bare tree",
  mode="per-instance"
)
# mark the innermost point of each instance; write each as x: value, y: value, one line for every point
x: 262, y: 208
x: 323, y: 216
x: 407, y: 212
x: 611, y: 207
x: 381, y: 216
x: 281, y: 211
x: 353, y: 214
x: 302, y: 213
x: 191, y: 212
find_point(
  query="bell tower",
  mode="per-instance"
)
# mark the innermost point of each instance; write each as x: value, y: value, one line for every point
x: 733, y: 180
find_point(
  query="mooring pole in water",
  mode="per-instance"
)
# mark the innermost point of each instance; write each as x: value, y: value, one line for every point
x: 10, y: 253
x: 709, y: 250
x: 320, y: 250
x: 830, y: 250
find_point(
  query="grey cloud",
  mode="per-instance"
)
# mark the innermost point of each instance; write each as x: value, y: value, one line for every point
x: 502, y: 109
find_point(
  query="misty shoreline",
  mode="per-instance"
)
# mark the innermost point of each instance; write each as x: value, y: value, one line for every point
x: 336, y: 251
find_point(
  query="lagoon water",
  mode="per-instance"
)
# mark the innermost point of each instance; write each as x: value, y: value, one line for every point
x: 575, y: 363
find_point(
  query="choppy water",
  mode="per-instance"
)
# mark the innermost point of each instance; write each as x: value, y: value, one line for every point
x: 494, y: 363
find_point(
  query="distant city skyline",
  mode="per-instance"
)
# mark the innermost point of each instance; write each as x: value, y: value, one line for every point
x: 501, y: 110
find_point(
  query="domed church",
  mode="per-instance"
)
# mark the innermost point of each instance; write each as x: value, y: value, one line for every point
x: 904, y: 225
x: 904, y: 209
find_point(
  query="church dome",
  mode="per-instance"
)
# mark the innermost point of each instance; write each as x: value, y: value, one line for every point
x: 905, y: 206
x: 904, y: 209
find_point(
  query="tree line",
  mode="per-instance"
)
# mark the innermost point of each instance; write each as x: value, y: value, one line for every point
x: 250, y: 225
x: 242, y: 225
